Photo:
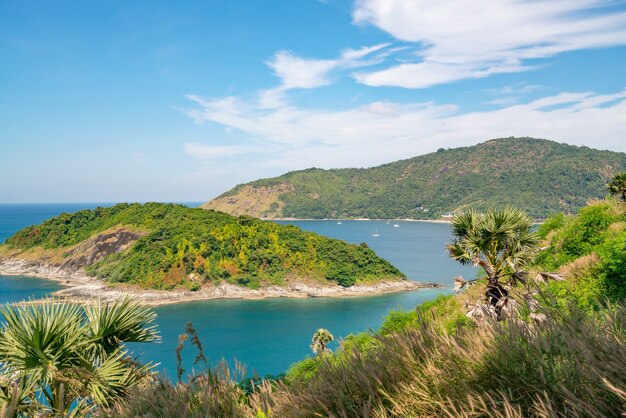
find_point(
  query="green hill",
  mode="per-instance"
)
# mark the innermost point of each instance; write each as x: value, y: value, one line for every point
x: 166, y: 246
x: 537, y: 175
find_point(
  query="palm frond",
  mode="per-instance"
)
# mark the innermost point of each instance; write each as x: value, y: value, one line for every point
x: 125, y: 320
x: 62, y: 358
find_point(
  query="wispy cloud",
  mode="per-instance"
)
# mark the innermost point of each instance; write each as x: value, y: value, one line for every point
x: 296, y: 72
x: 384, y: 131
x: 457, y: 39
x: 512, y: 93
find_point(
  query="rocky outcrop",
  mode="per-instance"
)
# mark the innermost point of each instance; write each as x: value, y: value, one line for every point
x: 98, y: 247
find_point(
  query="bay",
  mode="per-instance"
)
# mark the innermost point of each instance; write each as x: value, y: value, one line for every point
x: 269, y: 335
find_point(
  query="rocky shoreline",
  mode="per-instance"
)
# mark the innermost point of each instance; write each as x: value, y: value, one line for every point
x: 78, y: 286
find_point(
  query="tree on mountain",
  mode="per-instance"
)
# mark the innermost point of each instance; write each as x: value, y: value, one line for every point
x: 501, y: 242
x: 59, y: 358
x: 617, y: 186
x: 320, y: 341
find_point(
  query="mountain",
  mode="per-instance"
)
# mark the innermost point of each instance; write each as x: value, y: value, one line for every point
x: 166, y: 246
x: 537, y: 175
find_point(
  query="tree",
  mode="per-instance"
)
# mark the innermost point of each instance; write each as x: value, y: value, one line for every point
x: 501, y: 242
x: 617, y: 186
x: 320, y: 341
x: 56, y: 356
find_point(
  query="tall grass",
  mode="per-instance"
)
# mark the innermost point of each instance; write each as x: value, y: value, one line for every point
x: 571, y: 365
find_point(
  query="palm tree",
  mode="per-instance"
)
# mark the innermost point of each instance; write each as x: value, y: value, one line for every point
x: 617, y: 186
x: 58, y: 356
x: 501, y: 242
x: 320, y: 341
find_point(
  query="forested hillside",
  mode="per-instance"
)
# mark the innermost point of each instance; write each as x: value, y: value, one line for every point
x: 164, y: 246
x: 536, y: 175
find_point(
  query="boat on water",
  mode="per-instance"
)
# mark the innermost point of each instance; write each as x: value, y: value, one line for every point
x: 338, y: 222
x: 396, y: 226
x: 376, y: 234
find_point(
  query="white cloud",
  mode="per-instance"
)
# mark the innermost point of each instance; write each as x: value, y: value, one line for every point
x: 304, y: 73
x: 385, y: 131
x: 459, y: 39
x: 296, y: 72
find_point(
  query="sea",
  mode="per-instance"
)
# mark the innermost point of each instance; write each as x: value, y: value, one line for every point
x: 267, y: 336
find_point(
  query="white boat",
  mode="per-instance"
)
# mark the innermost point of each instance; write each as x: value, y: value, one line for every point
x: 376, y: 234
x: 338, y: 222
x: 396, y: 226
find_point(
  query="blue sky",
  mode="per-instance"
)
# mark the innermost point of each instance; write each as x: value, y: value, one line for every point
x: 179, y: 101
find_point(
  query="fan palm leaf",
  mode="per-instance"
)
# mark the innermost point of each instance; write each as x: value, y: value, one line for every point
x: 58, y: 356
x: 125, y: 320
x: 500, y: 241
x: 320, y: 340
x: 617, y: 186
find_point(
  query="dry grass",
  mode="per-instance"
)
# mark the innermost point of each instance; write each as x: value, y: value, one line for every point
x: 260, y: 202
x: 570, y: 366
x: 581, y: 267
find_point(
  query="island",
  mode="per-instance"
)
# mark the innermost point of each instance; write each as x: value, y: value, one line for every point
x: 167, y: 253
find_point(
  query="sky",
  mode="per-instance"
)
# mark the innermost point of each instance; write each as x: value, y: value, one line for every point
x: 109, y: 101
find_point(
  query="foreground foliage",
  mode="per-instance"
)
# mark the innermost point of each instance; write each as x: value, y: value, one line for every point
x: 570, y: 366
x: 179, y: 246
x: 589, y: 250
x: 58, y: 357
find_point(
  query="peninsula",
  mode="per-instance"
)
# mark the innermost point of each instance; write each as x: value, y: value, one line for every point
x: 166, y: 253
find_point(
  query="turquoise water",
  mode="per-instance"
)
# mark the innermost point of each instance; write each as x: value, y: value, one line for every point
x: 269, y: 335
x: 17, y: 288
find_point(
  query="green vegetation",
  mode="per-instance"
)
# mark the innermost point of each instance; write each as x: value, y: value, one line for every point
x: 320, y: 341
x: 538, y: 176
x: 565, y: 360
x: 590, y: 251
x: 570, y: 365
x: 501, y: 242
x: 617, y: 186
x: 57, y: 356
x: 164, y: 246
x: 560, y: 353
